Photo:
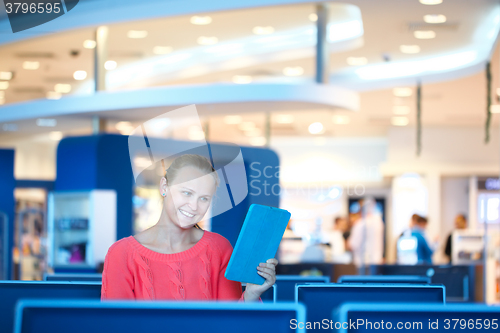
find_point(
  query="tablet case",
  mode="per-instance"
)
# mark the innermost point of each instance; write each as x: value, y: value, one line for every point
x: 257, y: 242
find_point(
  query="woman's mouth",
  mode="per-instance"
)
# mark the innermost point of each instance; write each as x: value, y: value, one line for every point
x: 186, y: 213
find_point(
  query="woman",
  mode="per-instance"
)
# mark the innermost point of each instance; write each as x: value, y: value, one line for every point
x: 175, y: 259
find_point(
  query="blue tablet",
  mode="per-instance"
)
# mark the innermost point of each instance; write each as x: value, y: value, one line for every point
x: 257, y: 242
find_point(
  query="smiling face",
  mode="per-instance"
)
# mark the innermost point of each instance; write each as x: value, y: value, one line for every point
x: 187, y: 201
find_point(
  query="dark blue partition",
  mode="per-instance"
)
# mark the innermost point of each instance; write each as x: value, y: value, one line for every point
x: 417, y: 317
x: 458, y: 280
x: 321, y: 299
x: 384, y: 279
x: 8, y: 183
x: 71, y: 277
x: 12, y: 291
x: 132, y: 317
x: 270, y: 295
x: 286, y: 284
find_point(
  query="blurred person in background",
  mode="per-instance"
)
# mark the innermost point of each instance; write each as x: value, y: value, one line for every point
x: 336, y: 239
x: 424, y: 251
x: 367, y: 235
x: 460, y: 224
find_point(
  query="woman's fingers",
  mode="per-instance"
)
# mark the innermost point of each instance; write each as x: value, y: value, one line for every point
x: 266, y: 270
x: 272, y: 261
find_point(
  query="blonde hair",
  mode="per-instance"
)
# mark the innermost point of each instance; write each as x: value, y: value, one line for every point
x: 190, y: 160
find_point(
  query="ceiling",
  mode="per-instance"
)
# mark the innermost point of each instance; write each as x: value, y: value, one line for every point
x: 453, y: 98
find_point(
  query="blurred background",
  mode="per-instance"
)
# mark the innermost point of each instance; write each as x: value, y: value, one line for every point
x: 373, y: 122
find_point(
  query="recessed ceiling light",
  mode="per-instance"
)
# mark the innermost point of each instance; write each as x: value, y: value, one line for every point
x: 341, y: 120
x: 424, y: 34
x: 293, y: 71
x: 284, y: 118
x: 258, y: 141
x: 2, y: 94
x: 434, y: 18
x: 110, y: 65
x: 89, y: 44
x: 162, y: 49
x: 400, y: 121
x: 313, y: 17
x: 137, y: 34
x: 431, y: 2
x: 247, y: 126
x: 233, y: 120
x: 56, y: 136
x: 357, y: 61
x: 4, y: 85
x: 409, y: 49
x: 123, y: 125
x: 46, y: 122
x: 9, y: 127
x: 62, y: 88
x: 31, y: 65
x: 263, y: 30
x: 201, y: 20
x: 203, y: 40
x: 495, y: 108
x: 401, y: 109
x: 5, y: 76
x: 53, y: 95
x: 402, y: 92
x: 242, y: 79
x: 80, y: 75
x: 316, y: 128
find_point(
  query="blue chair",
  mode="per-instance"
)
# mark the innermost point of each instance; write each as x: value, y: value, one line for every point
x: 270, y: 295
x: 73, y: 277
x: 286, y: 284
x: 417, y: 317
x: 321, y: 299
x: 12, y: 291
x: 77, y: 316
x: 384, y: 279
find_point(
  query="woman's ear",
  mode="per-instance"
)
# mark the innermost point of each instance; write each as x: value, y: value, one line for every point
x: 163, y: 187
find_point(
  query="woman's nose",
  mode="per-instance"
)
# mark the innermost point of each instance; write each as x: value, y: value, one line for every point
x: 193, y: 203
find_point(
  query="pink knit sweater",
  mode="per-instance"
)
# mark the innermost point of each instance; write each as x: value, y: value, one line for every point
x: 132, y: 271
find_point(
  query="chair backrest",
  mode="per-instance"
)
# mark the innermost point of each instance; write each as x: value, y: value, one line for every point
x: 34, y: 316
x: 384, y: 279
x: 286, y: 284
x: 321, y: 299
x: 13, y: 291
x: 270, y: 295
x: 458, y: 280
x: 416, y: 317
x: 73, y: 277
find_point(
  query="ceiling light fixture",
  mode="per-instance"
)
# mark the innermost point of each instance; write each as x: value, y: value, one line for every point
x: 2, y: 94
x: 341, y: 119
x: 203, y: 40
x: 80, y: 75
x: 162, y: 49
x: 400, y: 121
x: 431, y: 2
x: 31, y: 65
x: 316, y: 128
x: 409, y: 49
x: 284, y: 118
x: 293, y: 71
x: 201, y: 20
x: 357, y: 61
x: 313, y: 17
x: 242, y: 79
x: 402, y: 92
x: 110, y: 65
x: 434, y: 18
x: 56, y: 136
x: 89, y: 44
x: 6, y: 76
x: 136, y: 34
x: 4, y: 85
x: 62, y: 88
x: 495, y: 108
x: 424, y: 34
x: 263, y: 30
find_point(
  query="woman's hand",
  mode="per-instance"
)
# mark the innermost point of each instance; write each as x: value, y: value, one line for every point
x: 268, y: 271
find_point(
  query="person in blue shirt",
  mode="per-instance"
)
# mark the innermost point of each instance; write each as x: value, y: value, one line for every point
x: 424, y: 251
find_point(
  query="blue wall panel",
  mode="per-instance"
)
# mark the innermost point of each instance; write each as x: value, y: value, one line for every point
x: 7, y: 185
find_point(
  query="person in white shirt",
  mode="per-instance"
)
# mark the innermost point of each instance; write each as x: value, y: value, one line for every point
x: 367, y: 236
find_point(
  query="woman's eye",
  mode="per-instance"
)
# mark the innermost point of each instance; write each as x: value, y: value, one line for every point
x: 204, y: 199
x: 187, y: 193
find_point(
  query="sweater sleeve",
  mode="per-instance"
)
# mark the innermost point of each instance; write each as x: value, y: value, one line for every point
x: 117, y: 279
x: 227, y: 289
